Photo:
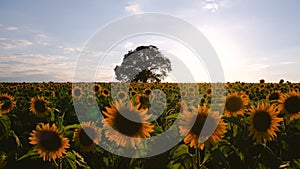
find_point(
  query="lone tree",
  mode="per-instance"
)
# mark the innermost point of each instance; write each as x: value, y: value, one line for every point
x: 144, y: 64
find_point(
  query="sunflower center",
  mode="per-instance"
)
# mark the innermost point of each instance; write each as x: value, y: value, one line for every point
x: 262, y: 121
x: 233, y: 104
x: 191, y: 90
x: 96, y: 88
x: 86, y: 139
x: 208, y: 91
x: 105, y: 92
x: 132, y: 93
x: 40, y: 106
x: 77, y: 92
x: 126, y: 126
x: 148, y: 91
x: 50, y: 141
x: 274, y: 96
x: 5, y: 103
x: 292, y: 104
x: 121, y: 95
x: 199, y: 124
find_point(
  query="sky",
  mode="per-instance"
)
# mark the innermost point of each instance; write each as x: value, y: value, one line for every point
x: 42, y: 40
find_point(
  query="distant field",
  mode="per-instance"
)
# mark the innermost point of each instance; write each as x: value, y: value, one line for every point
x: 257, y: 124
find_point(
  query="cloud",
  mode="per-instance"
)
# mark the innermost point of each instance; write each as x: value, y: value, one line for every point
x: 24, y: 42
x: 210, y: 5
x: 30, y: 60
x: 42, y: 39
x: 19, y: 77
x: 12, y: 28
x: 128, y: 45
x: 43, y: 43
x: 36, y: 67
x: 69, y: 50
x: 133, y: 8
x: 257, y: 67
x: 42, y: 36
x: 9, y: 44
x: 287, y: 63
x: 6, y: 46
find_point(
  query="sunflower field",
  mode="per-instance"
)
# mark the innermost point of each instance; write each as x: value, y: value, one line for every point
x: 255, y: 125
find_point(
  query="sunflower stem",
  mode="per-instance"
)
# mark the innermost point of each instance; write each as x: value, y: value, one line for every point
x: 55, y: 163
x: 60, y: 163
x: 198, y: 162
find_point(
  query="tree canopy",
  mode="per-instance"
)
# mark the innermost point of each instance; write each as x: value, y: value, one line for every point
x: 144, y: 64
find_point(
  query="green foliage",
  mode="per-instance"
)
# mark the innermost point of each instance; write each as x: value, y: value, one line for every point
x: 143, y: 64
x: 181, y: 158
x: 237, y: 149
x: 70, y: 161
x: 4, y: 127
x: 30, y: 154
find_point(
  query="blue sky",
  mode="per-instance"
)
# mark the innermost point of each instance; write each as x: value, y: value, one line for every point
x: 41, y: 40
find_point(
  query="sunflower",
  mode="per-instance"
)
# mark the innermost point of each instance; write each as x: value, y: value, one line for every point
x: 143, y: 100
x: 132, y: 93
x: 122, y: 130
x: 273, y: 96
x: 148, y: 91
x: 7, y: 103
x: 39, y: 106
x: 191, y: 89
x: 97, y: 88
x: 121, y: 95
x: 77, y: 92
x: 49, y: 143
x: 235, y: 103
x: 87, y: 136
x: 290, y: 104
x: 192, y: 131
x: 209, y: 91
x: 105, y: 92
x: 263, y: 122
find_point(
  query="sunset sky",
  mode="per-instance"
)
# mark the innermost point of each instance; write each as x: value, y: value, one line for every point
x: 41, y: 40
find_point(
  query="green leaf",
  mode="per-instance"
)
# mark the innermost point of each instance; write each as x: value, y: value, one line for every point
x: 235, y: 130
x: 59, y: 121
x: 175, y: 166
x: 182, y: 157
x: 295, y: 163
x: 206, y: 158
x: 158, y: 129
x: 52, y: 115
x: 30, y: 154
x: 72, y: 126
x: 220, y: 157
x: 4, y: 126
x: 19, y: 144
x: 70, y: 160
x: 172, y: 116
x: 267, y: 156
x: 180, y: 150
x: 106, y: 161
x: 3, y: 160
x: 234, y: 120
x: 234, y: 160
x: 297, y: 124
x: 80, y: 160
